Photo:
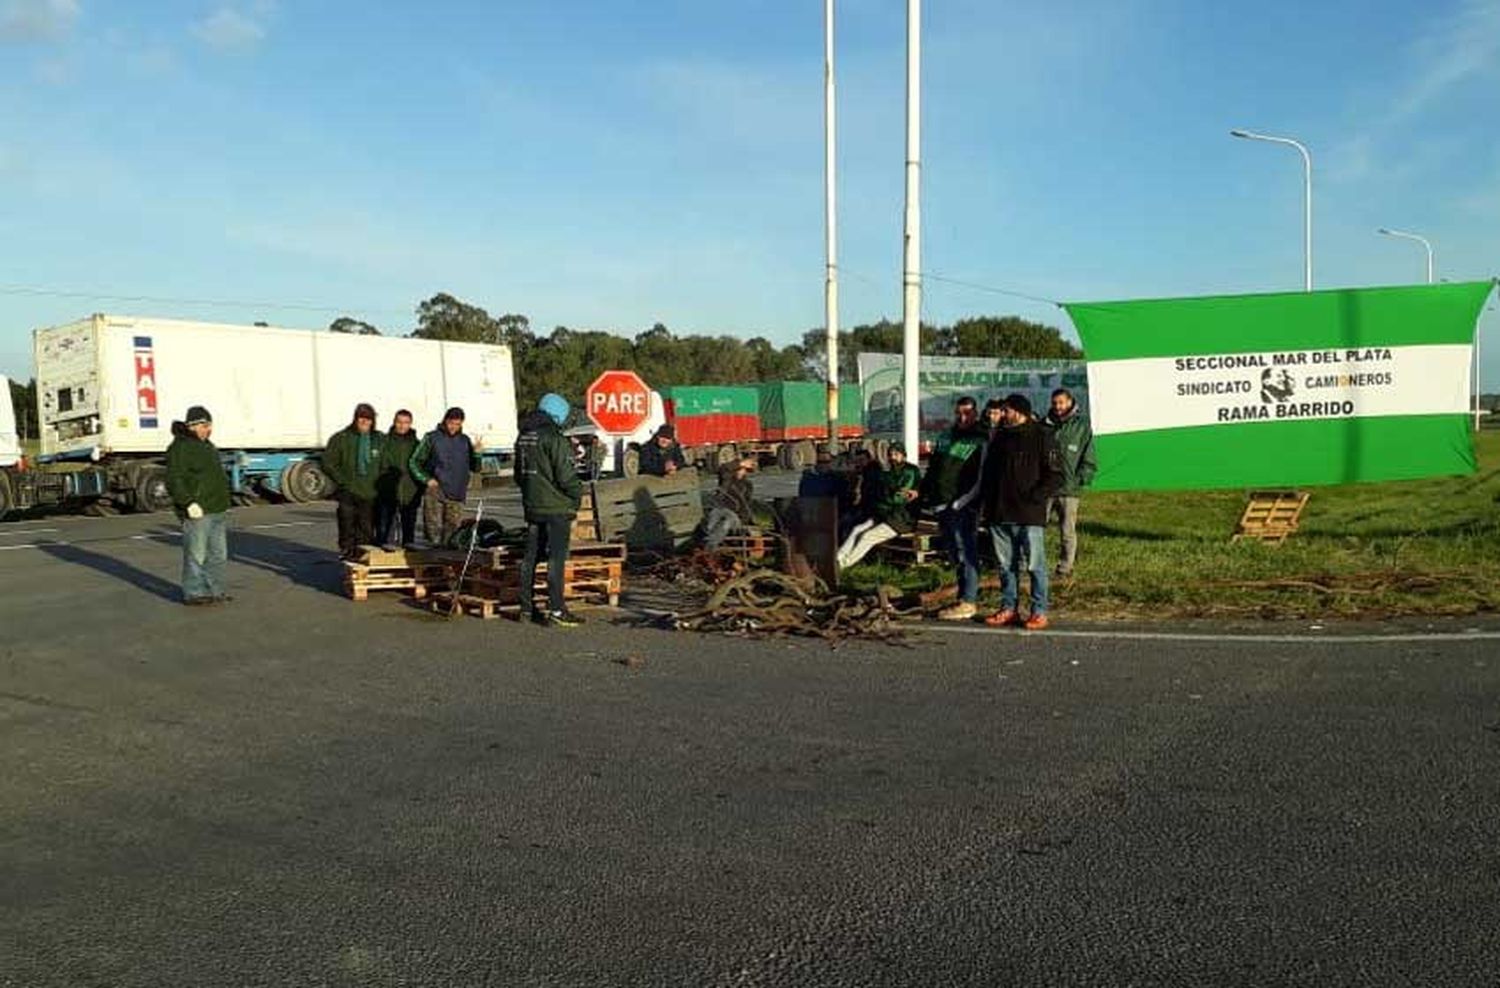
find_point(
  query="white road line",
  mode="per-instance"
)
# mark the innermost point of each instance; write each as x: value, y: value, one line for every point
x: 1314, y: 638
x: 30, y: 545
x: 26, y: 531
x: 288, y: 524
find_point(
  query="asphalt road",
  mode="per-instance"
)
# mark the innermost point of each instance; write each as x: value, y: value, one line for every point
x: 298, y: 790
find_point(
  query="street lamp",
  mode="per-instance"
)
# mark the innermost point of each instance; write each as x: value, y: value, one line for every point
x: 1386, y: 231
x: 1307, y: 191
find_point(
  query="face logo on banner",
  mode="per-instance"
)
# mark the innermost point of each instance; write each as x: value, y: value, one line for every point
x: 1276, y: 385
x: 145, y: 382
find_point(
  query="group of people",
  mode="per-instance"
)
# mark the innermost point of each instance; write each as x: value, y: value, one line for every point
x: 1010, y: 473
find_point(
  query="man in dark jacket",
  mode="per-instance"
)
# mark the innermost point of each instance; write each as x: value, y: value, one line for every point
x: 1075, y: 444
x: 398, y: 495
x: 731, y: 508
x: 662, y: 456
x: 442, y: 463
x: 1022, y: 470
x: 352, y: 459
x: 892, y: 503
x: 951, y: 491
x: 200, y: 493
x: 550, y: 495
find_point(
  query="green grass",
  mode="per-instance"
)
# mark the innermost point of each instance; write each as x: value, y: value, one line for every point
x: 1427, y: 547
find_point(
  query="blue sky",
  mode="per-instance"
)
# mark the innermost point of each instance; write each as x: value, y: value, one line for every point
x: 611, y: 163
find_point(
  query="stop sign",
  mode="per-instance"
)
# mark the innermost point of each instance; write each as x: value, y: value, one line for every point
x: 618, y: 402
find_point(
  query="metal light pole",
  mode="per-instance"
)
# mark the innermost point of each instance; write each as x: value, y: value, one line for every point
x: 1412, y: 236
x: 1307, y: 193
x: 830, y: 221
x: 911, y: 267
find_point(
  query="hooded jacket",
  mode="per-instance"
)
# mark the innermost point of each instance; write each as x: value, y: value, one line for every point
x: 396, y: 483
x: 890, y: 507
x: 1021, y: 471
x: 654, y: 459
x: 344, y: 465
x: 195, y: 473
x: 1075, y: 444
x: 550, y: 486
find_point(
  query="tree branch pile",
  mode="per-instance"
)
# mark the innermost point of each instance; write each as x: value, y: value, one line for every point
x: 762, y: 603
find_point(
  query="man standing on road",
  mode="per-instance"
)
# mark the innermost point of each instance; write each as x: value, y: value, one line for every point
x: 951, y: 491
x: 352, y: 459
x: 1075, y: 444
x: 662, y: 456
x: 732, y: 507
x: 550, y: 495
x: 442, y: 463
x: 1022, y: 472
x: 399, y: 495
x: 891, y: 500
x: 200, y: 493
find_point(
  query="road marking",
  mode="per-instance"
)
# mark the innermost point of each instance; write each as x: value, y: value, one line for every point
x: 27, y: 531
x: 1206, y: 636
x: 288, y: 524
x: 30, y: 545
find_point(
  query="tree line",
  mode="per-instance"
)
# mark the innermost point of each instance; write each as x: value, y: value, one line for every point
x: 567, y: 360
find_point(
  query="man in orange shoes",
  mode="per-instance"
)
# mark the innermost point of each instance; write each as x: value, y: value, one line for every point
x: 1022, y: 472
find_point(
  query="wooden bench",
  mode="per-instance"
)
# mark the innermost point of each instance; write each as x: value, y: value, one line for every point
x: 922, y: 545
x: 660, y: 513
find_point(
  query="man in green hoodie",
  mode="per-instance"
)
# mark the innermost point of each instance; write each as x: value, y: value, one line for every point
x: 1075, y: 444
x: 352, y: 459
x: 550, y: 494
x: 398, y: 495
x: 892, y: 499
x: 951, y: 491
x: 200, y: 493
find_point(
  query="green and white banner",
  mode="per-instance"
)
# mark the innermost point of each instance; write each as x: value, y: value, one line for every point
x: 1281, y: 390
x: 943, y: 380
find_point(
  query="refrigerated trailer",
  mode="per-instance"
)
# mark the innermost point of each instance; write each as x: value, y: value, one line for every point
x: 110, y: 387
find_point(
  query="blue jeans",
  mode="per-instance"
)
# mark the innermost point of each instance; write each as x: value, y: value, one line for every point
x: 1015, y: 545
x: 961, y: 534
x: 205, y: 552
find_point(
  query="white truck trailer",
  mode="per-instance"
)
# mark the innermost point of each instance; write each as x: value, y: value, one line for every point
x: 110, y: 387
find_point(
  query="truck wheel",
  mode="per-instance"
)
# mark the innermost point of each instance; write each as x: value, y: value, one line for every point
x: 305, y: 481
x: 801, y: 455
x: 7, y: 496
x: 151, y: 492
x: 784, y: 456
x: 630, y: 463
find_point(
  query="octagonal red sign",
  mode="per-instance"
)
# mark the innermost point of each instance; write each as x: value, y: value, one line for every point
x: 618, y: 402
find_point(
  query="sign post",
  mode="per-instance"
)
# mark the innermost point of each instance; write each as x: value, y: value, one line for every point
x: 618, y: 402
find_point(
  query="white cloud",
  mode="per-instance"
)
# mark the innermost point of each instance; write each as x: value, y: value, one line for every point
x: 1458, y: 48
x: 37, y: 20
x: 230, y: 30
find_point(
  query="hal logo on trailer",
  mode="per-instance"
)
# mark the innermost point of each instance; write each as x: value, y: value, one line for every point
x: 145, y: 382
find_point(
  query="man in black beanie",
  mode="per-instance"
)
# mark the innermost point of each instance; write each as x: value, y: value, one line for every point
x: 1021, y: 472
x: 662, y: 454
x: 200, y: 493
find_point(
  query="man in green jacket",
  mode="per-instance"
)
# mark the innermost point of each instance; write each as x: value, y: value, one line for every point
x: 951, y: 491
x: 398, y: 496
x: 1075, y: 444
x: 352, y: 459
x: 550, y: 495
x: 892, y: 507
x: 200, y: 493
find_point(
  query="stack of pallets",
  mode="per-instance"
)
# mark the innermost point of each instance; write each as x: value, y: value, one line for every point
x: 594, y: 573
x: 395, y: 569
x: 922, y: 545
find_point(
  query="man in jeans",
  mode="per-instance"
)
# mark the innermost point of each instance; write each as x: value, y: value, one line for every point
x: 550, y: 495
x: 200, y: 493
x: 951, y: 491
x: 1075, y: 445
x: 443, y: 462
x: 1022, y: 471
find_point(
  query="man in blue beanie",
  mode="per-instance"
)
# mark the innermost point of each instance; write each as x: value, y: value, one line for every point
x: 550, y: 494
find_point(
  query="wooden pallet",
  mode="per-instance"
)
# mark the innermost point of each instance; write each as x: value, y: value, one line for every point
x: 472, y: 604
x: 597, y: 580
x: 504, y: 556
x: 1270, y: 516
x: 360, y: 579
x: 753, y: 546
x: 586, y: 525
x: 919, y: 547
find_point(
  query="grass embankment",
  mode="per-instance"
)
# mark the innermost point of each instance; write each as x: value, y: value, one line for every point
x: 1428, y: 547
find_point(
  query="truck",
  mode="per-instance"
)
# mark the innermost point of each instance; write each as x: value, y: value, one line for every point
x: 781, y: 421
x: 109, y: 388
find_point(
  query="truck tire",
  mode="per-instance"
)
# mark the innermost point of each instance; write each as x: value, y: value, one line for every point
x: 801, y: 455
x: 7, y: 496
x: 630, y: 463
x: 150, y: 491
x: 305, y: 481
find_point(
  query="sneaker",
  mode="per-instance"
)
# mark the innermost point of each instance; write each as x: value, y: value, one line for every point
x: 1003, y: 618
x: 1037, y: 622
x: 964, y: 610
x: 562, y: 619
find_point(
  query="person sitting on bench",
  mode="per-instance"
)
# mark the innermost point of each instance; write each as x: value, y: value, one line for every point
x: 731, y: 508
x: 892, y: 504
